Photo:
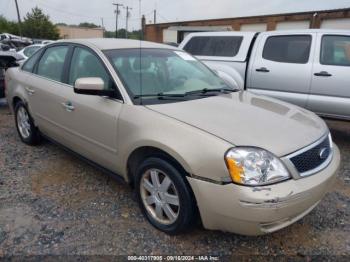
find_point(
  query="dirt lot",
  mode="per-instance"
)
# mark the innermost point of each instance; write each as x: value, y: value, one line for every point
x: 53, y: 203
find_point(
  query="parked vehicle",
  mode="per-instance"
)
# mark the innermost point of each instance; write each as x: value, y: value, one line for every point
x: 29, y: 50
x: 180, y: 135
x: 6, y: 36
x: 42, y: 41
x: 309, y: 68
x: 7, y: 60
x: 15, y: 44
x: 4, y: 47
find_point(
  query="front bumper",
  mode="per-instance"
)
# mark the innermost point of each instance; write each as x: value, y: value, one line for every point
x: 265, y: 209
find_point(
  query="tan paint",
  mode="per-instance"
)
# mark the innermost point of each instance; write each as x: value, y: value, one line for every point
x: 196, y: 133
x: 245, y: 210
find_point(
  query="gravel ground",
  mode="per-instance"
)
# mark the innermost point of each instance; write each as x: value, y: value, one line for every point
x: 51, y: 203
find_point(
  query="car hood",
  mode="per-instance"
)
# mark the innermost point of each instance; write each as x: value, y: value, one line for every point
x: 245, y: 119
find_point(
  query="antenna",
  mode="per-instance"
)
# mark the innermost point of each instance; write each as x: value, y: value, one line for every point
x: 141, y: 36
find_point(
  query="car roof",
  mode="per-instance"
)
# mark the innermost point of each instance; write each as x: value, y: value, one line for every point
x: 112, y: 43
x: 40, y: 45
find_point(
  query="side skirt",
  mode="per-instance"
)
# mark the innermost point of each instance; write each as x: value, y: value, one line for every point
x: 118, y: 178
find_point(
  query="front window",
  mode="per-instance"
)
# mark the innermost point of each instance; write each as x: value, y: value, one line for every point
x: 161, y: 73
x: 86, y: 64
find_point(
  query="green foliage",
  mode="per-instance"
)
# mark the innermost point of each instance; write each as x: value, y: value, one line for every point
x: 8, y: 26
x: 88, y: 25
x: 63, y: 24
x: 38, y: 25
x: 121, y: 34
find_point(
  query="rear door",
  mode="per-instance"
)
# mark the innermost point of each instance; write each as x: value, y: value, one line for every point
x: 330, y: 89
x: 281, y: 66
x: 44, y: 86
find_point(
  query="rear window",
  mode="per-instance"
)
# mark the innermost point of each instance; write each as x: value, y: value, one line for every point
x: 214, y: 45
x: 335, y: 50
x: 288, y: 49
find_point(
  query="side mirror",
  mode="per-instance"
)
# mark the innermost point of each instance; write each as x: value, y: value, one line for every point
x: 92, y: 86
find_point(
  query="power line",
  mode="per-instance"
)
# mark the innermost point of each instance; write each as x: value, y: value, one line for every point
x: 166, y: 20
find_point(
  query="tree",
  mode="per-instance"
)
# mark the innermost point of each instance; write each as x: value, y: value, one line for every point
x: 8, y: 26
x: 64, y: 24
x: 38, y: 25
x: 88, y: 25
x: 121, y: 34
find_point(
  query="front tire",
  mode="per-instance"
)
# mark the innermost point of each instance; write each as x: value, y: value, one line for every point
x: 164, y: 196
x: 26, y: 129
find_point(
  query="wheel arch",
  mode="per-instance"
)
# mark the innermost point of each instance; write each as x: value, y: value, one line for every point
x: 139, y: 154
x: 15, y: 100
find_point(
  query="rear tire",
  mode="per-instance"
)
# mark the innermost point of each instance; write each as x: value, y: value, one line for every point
x: 165, y: 197
x: 26, y: 129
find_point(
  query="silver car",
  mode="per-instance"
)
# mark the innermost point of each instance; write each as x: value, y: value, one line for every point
x: 190, y: 145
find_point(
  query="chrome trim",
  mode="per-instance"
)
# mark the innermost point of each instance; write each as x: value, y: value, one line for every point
x: 292, y: 168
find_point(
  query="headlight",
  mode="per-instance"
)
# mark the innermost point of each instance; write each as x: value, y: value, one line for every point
x: 254, y: 166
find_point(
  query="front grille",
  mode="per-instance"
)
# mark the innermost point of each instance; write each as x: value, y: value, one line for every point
x: 312, y: 159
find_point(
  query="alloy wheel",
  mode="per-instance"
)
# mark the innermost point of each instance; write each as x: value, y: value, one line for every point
x: 159, y: 196
x: 23, y: 122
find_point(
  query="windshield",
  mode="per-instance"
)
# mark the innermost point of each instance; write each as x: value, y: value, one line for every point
x: 164, y: 73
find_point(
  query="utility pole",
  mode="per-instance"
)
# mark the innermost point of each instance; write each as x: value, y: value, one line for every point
x: 116, y: 18
x: 155, y: 16
x: 19, y: 20
x: 127, y: 18
x: 143, y: 25
x: 103, y: 27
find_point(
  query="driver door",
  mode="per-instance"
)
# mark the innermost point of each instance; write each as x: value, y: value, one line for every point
x: 91, y: 122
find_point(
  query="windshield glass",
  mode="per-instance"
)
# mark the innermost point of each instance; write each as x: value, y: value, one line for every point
x: 155, y: 72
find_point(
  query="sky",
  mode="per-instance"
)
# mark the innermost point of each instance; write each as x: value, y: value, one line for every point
x: 76, y: 11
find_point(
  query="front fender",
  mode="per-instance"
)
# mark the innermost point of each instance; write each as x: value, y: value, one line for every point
x: 200, y: 153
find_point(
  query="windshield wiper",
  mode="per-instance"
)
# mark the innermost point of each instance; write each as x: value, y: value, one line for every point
x: 204, y: 91
x: 159, y: 95
x: 210, y: 90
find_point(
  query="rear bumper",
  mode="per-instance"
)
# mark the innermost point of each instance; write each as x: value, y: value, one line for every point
x: 260, y: 210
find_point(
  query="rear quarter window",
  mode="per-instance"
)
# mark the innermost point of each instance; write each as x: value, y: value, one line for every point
x: 214, y: 45
x: 30, y: 63
x: 335, y: 50
x: 288, y: 49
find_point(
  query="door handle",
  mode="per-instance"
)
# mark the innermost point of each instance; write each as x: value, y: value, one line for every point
x: 262, y: 69
x: 323, y: 73
x: 30, y: 91
x: 68, y: 106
